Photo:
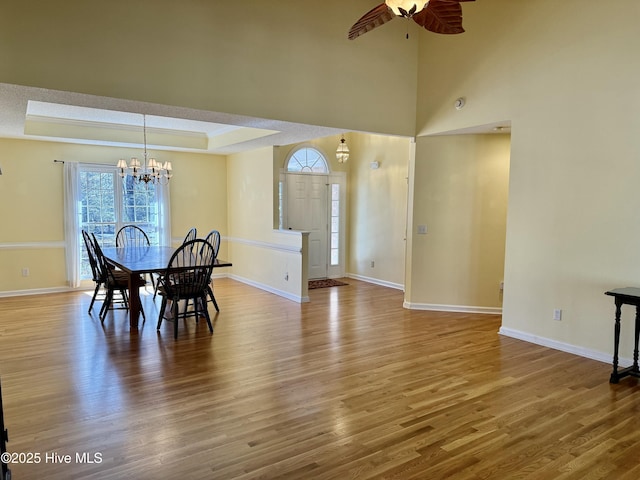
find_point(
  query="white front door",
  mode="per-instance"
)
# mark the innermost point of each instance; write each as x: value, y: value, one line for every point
x: 307, y: 210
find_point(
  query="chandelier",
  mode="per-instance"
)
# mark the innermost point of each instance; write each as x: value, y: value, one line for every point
x: 342, y: 153
x: 151, y: 171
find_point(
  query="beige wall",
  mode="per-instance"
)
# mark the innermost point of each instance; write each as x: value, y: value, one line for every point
x: 567, y: 83
x: 268, y: 258
x: 198, y: 195
x: 461, y: 195
x: 284, y: 59
x: 32, y: 210
x: 378, y: 208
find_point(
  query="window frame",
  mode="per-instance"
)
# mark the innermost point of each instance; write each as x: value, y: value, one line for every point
x: 293, y: 156
x: 159, y: 234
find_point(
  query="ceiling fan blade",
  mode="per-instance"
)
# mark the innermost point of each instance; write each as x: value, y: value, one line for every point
x: 441, y: 16
x: 370, y: 20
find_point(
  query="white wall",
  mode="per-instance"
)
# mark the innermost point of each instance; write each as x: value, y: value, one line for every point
x: 269, y: 259
x: 561, y: 72
x: 460, y: 196
x: 378, y: 208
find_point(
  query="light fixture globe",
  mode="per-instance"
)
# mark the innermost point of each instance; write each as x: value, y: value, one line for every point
x: 342, y: 153
x: 406, y: 8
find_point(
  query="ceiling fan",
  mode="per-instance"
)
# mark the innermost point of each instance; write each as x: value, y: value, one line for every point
x: 438, y: 16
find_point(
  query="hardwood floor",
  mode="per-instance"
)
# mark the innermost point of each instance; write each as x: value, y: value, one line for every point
x: 350, y: 385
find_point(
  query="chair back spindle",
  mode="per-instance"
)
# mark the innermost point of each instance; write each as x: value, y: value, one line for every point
x: 213, y: 237
x: 192, y: 234
x: 132, y: 235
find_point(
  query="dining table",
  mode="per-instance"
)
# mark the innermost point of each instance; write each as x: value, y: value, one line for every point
x: 141, y: 260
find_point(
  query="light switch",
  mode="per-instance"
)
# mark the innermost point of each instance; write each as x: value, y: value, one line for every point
x: 422, y: 229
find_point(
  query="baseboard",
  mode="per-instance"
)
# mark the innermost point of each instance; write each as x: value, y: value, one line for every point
x: 562, y: 346
x: 426, y: 306
x: 376, y: 281
x: 453, y: 308
x: 267, y: 288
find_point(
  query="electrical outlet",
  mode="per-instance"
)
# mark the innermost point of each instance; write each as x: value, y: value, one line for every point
x: 557, y: 314
x: 501, y: 286
x: 25, y: 272
x: 286, y: 276
x: 373, y: 264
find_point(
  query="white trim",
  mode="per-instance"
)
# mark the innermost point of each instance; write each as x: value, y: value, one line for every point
x: 267, y: 288
x: 562, y: 346
x: 296, y: 233
x: 382, y: 283
x: 453, y: 308
x: 30, y: 245
x: 39, y: 291
x: 269, y: 246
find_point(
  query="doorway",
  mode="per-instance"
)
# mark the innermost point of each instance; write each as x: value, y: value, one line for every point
x: 307, y: 210
x: 312, y: 199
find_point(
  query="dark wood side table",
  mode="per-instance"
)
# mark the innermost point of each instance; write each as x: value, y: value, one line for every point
x: 625, y: 296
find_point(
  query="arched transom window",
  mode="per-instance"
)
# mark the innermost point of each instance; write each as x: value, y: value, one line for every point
x: 307, y: 160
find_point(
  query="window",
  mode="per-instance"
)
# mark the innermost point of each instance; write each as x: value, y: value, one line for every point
x: 280, y: 205
x: 107, y: 202
x: 335, y: 224
x: 307, y: 160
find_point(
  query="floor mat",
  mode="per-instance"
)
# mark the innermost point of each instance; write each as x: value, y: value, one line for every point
x: 329, y: 282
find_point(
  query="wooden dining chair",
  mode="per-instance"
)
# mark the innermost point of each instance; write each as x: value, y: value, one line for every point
x: 187, y: 278
x: 131, y: 235
x: 213, y: 237
x: 96, y: 273
x: 134, y: 236
x: 115, y: 281
x: 192, y: 234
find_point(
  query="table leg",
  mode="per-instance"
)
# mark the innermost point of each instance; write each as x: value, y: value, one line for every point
x: 616, y: 343
x: 134, y: 301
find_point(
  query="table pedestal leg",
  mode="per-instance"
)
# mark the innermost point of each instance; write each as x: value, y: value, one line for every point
x: 134, y: 301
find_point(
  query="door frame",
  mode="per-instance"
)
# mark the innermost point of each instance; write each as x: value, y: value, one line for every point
x: 339, y: 178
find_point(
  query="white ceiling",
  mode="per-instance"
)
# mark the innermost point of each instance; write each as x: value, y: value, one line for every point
x: 39, y: 114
